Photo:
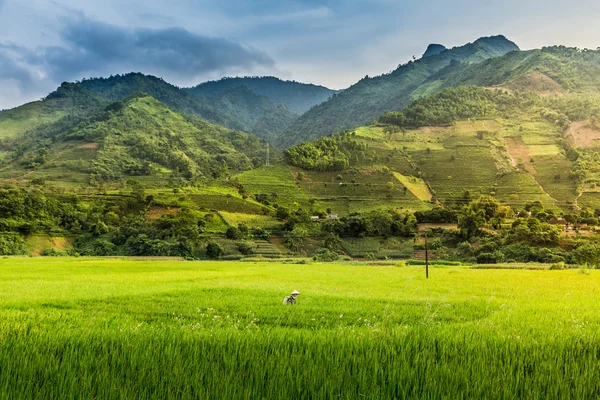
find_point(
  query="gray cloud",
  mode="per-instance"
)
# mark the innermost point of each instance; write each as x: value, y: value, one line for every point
x: 95, y: 46
x: 92, y: 48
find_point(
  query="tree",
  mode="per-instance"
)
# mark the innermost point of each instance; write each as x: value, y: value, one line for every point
x: 470, y: 221
x: 587, y: 254
x: 233, y: 233
x: 214, y: 250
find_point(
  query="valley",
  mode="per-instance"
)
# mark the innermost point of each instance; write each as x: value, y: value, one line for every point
x: 425, y: 227
x: 152, y: 169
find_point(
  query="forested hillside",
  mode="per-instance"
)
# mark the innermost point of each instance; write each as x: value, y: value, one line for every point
x: 69, y: 100
x: 550, y: 70
x: 236, y: 108
x: 120, y: 86
x: 256, y: 113
x: 370, y: 97
x: 298, y: 97
x: 498, y: 161
x: 135, y: 137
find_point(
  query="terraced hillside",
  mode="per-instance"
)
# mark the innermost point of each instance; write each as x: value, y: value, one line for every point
x: 517, y: 148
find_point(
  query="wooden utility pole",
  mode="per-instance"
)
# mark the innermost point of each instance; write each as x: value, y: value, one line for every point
x: 268, y: 151
x: 426, y: 258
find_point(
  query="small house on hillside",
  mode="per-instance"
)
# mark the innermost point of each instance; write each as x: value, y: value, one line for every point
x: 315, y: 218
x: 332, y: 217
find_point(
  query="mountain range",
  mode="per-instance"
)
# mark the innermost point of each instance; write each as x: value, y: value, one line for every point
x: 539, y: 127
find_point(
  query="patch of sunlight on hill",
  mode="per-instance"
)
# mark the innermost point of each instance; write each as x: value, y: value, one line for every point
x: 416, y: 186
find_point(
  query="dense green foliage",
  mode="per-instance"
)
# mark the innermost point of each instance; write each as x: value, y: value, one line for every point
x: 326, y: 154
x: 139, y: 137
x: 298, y: 97
x: 375, y: 223
x: 235, y: 108
x: 68, y: 102
x: 256, y: 113
x: 451, y: 105
x: 119, y: 87
x: 551, y: 69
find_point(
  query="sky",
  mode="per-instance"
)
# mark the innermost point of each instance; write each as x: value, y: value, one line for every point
x: 332, y: 43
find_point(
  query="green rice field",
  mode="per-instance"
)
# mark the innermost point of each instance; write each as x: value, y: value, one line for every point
x: 118, y: 328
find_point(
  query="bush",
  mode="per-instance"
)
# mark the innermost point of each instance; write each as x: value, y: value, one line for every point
x: 233, y: 233
x: 11, y: 244
x: 245, y: 248
x: 559, y: 266
x: 490, y: 258
x: 214, y: 250
x: 326, y: 255
x: 400, y: 264
x: 260, y: 233
x: 584, y: 269
x: 54, y: 253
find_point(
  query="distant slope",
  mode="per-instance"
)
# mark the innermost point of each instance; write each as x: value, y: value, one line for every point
x: 67, y: 100
x: 234, y: 108
x: 549, y: 69
x: 121, y: 86
x: 138, y: 137
x: 371, y: 97
x: 298, y: 97
x: 256, y: 113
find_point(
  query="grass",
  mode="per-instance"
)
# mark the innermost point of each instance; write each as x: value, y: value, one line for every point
x: 274, y: 179
x: 251, y: 220
x: 28, y: 116
x: 518, y: 189
x: 416, y: 186
x: 36, y: 244
x: 84, y: 328
x: 553, y: 173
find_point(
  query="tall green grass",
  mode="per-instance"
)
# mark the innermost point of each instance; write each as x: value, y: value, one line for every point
x: 87, y: 328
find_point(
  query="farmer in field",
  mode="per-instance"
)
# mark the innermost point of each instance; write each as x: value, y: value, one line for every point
x: 291, y: 299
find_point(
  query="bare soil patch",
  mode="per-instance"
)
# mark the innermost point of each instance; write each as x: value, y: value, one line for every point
x: 426, y: 226
x: 580, y: 134
x: 157, y: 212
x: 537, y: 82
x: 518, y: 152
x: 92, y: 145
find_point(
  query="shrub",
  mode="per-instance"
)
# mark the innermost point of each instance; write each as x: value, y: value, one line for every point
x: 12, y: 245
x: 245, y: 248
x: 400, y: 264
x: 584, y: 269
x: 214, y: 250
x: 559, y: 266
x: 490, y: 258
x: 326, y: 255
x: 50, y: 252
x: 233, y: 233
